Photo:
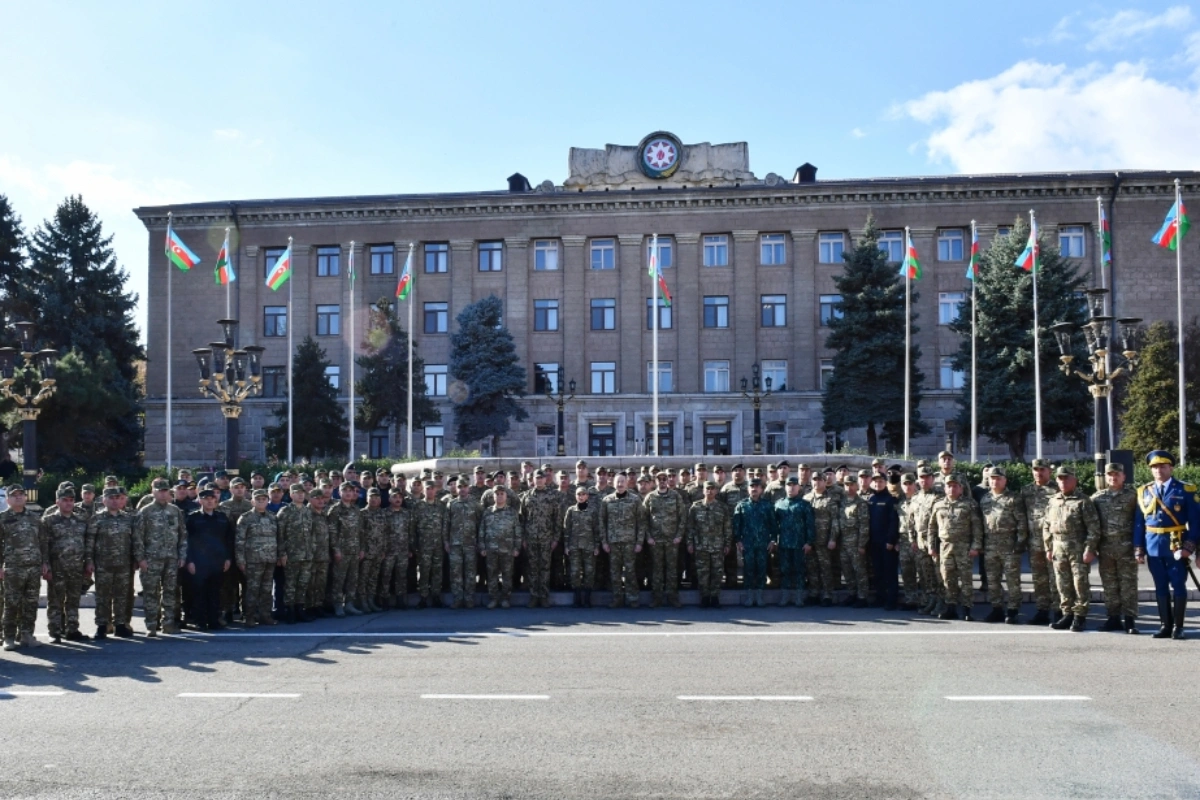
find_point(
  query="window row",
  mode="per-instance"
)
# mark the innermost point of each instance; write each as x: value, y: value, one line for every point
x: 948, y: 376
x: 716, y: 438
x: 602, y: 376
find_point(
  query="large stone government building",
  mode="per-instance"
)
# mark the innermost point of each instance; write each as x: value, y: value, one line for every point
x: 749, y: 261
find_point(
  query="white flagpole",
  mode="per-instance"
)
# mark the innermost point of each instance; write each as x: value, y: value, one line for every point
x: 907, y: 343
x: 351, y: 349
x: 1179, y: 325
x: 291, y: 350
x: 228, y: 284
x: 1037, y: 350
x: 411, y: 301
x: 1108, y: 401
x: 974, y: 395
x: 170, y: 346
x: 654, y: 338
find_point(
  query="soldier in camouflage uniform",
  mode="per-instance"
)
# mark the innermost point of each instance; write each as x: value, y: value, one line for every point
x: 399, y: 552
x: 24, y: 561
x: 296, y: 551
x: 797, y: 528
x: 1036, y: 496
x: 854, y: 534
x: 1073, y: 527
x: 160, y: 548
x: 955, y: 534
x: 375, y: 541
x: 709, y: 532
x: 543, y: 529
x: 907, y: 508
x: 346, y: 548
x: 430, y: 521
x: 108, y: 544
x: 462, y: 540
x: 234, y: 581
x: 1116, y: 504
x: 624, y: 529
x: 928, y: 573
x: 827, y: 526
x: 65, y: 533
x: 756, y: 533
x: 318, y: 580
x: 733, y: 492
x: 500, y: 537
x: 581, y: 541
x: 1005, y: 538
x: 666, y: 514
x: 257, y: 553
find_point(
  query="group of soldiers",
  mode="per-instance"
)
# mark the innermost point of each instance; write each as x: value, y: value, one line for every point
x: 345, y: 543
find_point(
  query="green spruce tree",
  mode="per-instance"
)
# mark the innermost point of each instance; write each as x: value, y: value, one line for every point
x: 318, y: 418
x: 483, y: 361
x: 1004, y: 354
x: 1148, y: 407
x: 12, y: 249
x: 383, y: 386
x: 866, y: 388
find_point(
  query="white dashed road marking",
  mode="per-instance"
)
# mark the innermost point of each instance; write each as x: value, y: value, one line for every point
x: 769, y: 698
x: 224, y: 695
x: 485, y: 697
x: 1013, y: 698
x: 6, y: 695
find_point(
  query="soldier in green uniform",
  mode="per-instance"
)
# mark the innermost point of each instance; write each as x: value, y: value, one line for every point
x: 430, y: 521
x: 1005, y: 538
x: 854, y: 534
x: 756, y: 532
x: 1036, y: 496
x: 542, y: 522
x: 1073, y: 528
x: 318, y: 580
x: 108, y: 545
x: 666, y: 515
x: 256, y: 549
x: 733, y: 492
x: 500, y: 537
x: 160, y: 549
x: 462, y: 535
x: 24, y: 561
x: 296, y: 552
x: 375, y: 536
x: 399, y: 553
x: 65, y: 534
x: 797, y: 531
x: 710, y: 536
x: 1116, y: 503
x: 929, y: 576
x: 346, y: 549
x: 234, y: 504
x: 624, y: 529
x: 955, y: 536
x: 581, y: 542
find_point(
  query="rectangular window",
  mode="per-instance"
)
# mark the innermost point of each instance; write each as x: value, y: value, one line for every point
x: 437, y: 257
x: 437, y: 317
x: 772, y: 249
x: 604, y: 377
x: 491, y: 256
x: 329, y: 321
x: 776, y: 438
x: 892, y: 245
x: 329, y: 262
x: 830, y: 308
x: 716, y: 251
x: 604, y: 314
x: 602, y: 439
x: 826, y: 372
x: 1071, y: 241
x: 435, y: 437
x: 383, y: 259
x: 1003, y: 230
x: 717, y: 439
x: 831, y: 247
x: 774, y: 310
x: 270, y: 257
x: 716, y: 376
x: 951, y: 378
x: 274, y: 381
x: 716, y: 311
x: 545, y: 315
x: 377, y: 444
x: 545, y: 255
x: 604, y: 254
x: 950, y: 244
x: 666, y: 381
x: 436, y: 378
x: 664, y: 314
x: 333, y: 374
x: 547, y: 438
x: 666, y: 252
x: 274, y: 320
x: 948, y: 303
x: 776, y: 373
x: 545, y: 377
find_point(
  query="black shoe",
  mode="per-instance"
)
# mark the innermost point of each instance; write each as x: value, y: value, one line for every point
x: 890, y: 607
x: 1113, y: 623
x: 124, y: 632
x: 1165, y: 619
x: 1058, y: 616
x: 56, y: 639
x: 826, y: 603
x: 101, y: 632
x: 1131, y: 625
x: 228, y: 617
x: 76, y: 636
x: 1042, y: 617
x: 1180, y: 610
x: 966, y: 614
x: 1077, y: 624
x: 996, y: 615
x: 716, y: 602
x: 1063, y: 622
x: 1010, y: 617
x: 949, y: 613
x: 860, y: 604
x: 703, y: 601
x: 850, y: 600
x: 587, y: 598
x: 911, y: 606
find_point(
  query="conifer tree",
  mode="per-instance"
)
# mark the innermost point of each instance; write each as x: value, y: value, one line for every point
x: 319, y: 420
x: 483, y: 361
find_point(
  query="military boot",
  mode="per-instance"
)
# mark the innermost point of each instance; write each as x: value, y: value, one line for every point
x: 966, y: 614
x: 587, y: 598
x: 124, y: 632
x: 1165, y: 618
x: 1042, y: 617
x: 675, y: 602
x: 939, y: 608
x: 1058, y: 616
x: 353, y: 610
x: 1063, y: 622
x: 748, y: 599
x: 577, y: 599
x: 339, y: 610
x: 948, y: 612
x: 1131, y: 625
x: 996, y: 615
x: 1010, y: 616
x: 715, y: 602
x: 1180, y: 610
x: 10, y: 643
x: 758, y: 598
x: 783, y: 598
x: 76, y: 636
x: 101, y: 632
x: 928, y: 606
x: 655, y: 599
x: 29, y: 640
x: 1113, y: 623
x: 1077, y: 624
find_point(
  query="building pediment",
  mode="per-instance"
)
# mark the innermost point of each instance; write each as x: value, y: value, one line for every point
x: 661, y: 159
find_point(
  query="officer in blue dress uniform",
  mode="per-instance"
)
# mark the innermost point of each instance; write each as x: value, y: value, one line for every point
x: 1166, y: 528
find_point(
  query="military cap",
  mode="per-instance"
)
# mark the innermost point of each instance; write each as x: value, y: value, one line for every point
x: 317, y: 493
x: 1040, y: 463
x: 1064, y: 472
x: 896, y: 468
x: 399, y: 476
x: 877, y: 462
x: 924, y: 462
x: 581, y: 463
x: 784, y: 463
x: 562, y: 473
x: 945, y: 453
x: 537, y: 473
x: 478, y: 468
x: 499, y: 473
x: 349, y: 468
x: 710, y: 484
x: 997, y: 472
x: 438, y: 474
x: 257, y: 474
x: 65, y: 483
x: 662, y: 473
x: 111, y: 479
x: 427, y: 472
x: 700, y: 465
x: 581, y: 490
x: 62, y: 494
x: 644, y: 478
x: 372, y: 492
x: 257, y: 493
x: 863, y: 473
x: 462, y: 481
x: 191, y: 484
x: 109, y: 491
x: 238, y: 482
x: 122, y: 491
x: 88, y: 487
x: 526, y: 463
x: 274, y: 487
x: 738, y: 466
x: 1114, y: 468
x: 792, y: 479
x: 953, y: 478
x: 202, y: 493
x: 924, y: 472
x: 908, y: 477
x: 819, y: 476
x: 382, y: 471
x: 296, y: 487
x: 512, y: 473
x: 602, y: 471
x: 877, y: 476
x: 1156, y: 457
x: 850, y: 479
x: 335, y: 473
x: 218, y: 474
x: 718, y: 468
x: 772, y: 465
x: 757, y: 482
x: 159, y: 483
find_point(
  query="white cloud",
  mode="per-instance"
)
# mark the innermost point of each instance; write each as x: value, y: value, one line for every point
x: 1112, y: 33
x: 227, y: 134
x: 1046, y: 117
x: 858, y: 133
x: 1061, y: 32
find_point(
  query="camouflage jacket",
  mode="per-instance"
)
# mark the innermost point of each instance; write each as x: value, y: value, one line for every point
x: 1072, y: 519
x: 582, y: 526
x: 161, y: 534
x: 540, y: 514
x: 1036, y: 499
x: 109, y: 540
x: 666, y: 515
x: 855, y: 519
x: 827, y: 517
x: 500, y: 530
x: 400, y: 532
x: 257, y: 540
x: 345, y: 530
x: 462, y: 529
x: 65, y: 538
x: 320, y: 537
x: 794, y: 516
x: 376, y: 530
x: 622, y: 518
x: 1005, y: 523
x: 430, y: 522
x: 296, y: 532
x: 754, y: 523
x: 1116, y: 510
x: 709, y: 526
x: 22, y: 540
x: 234, y: 508
x: 955, y: 522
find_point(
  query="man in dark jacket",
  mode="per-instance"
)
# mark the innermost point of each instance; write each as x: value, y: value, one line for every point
x: 885, y: 535
x: 209, y: 552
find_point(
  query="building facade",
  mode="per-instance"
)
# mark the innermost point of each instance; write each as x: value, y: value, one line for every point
x: 750, y: 264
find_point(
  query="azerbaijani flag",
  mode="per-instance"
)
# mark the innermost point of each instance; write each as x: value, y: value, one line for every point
x: 224, y: 273
x: 406, y: 281
x: 656, y: 273
x: 282, y: 270
x: 178, y: 252
x: 1173, y: 228
x: 1029, y: 256
x: 973, y: 264
x: 351, y: 270
x: 1105, y: 239
x: 911, y: 268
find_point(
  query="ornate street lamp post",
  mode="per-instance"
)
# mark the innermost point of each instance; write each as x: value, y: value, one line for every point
x: 756, y: 398
x: 1100, y: 379
x: 561, y: 400
x: 230, y: 375
x: 37, y: 372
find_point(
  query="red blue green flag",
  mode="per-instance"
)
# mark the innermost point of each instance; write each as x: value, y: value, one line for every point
x: 406, y: 280
x: 1173, y: 228
x: 282, y: 270
x: 911, y: 268
x: 1029, y: 256
x: 1105, y: 239
x: 973, y: 264
x: 224, y: 273
x: 178, y: 252
x: 656, y: 273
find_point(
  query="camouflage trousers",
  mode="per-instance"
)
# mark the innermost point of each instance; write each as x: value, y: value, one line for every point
x: 318, y: 579
x: 259, y: 578
x: 1008, y: 566
x: 393, y: 579
x: 160, y: 584
x: 664, y: 568
x: 820, y: 573
x: 955, y: 560
x: 583, y: 568
x: 462, y: 571
x: 1118, y: 576
x: 1043, y: 580
x: 343, y: 580
x: 908, y: 572
x: 500, y: 575
x: 429, y: 576
x: 62, y: 595
x: 791, y: 569
x: 621, y: 565
x: 22, y: 585
x: 367, y: 585
x: 710, y: 572
x: 296, y: 577
x: 854, y: 571
x: 754, y: 557
x: 1072, y: 575
x: 233, y: 587
x: 929, y: 576
x: 112, y: 595
x: 540, y: 552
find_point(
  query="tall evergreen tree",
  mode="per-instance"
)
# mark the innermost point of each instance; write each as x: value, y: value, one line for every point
x: 483, y: 360
x: 866, y: 388
x: 1004, y: 348
x: 1149, y: 409
x: 12, y: 249
x: 383, y: 385
x: 319, y: 420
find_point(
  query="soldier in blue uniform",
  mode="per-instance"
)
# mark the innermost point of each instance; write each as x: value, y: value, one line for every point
x: 1166, y: 527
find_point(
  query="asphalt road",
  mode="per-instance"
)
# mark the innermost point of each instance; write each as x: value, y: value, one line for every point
x: 730, y: 703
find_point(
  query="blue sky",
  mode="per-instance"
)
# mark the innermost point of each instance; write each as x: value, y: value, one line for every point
x: 136, y: 104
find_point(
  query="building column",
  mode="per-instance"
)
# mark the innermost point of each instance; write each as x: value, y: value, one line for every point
x: 574, y: 318
x: 687, y: 311
x: 804, y: 372
x: 631, y: 311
